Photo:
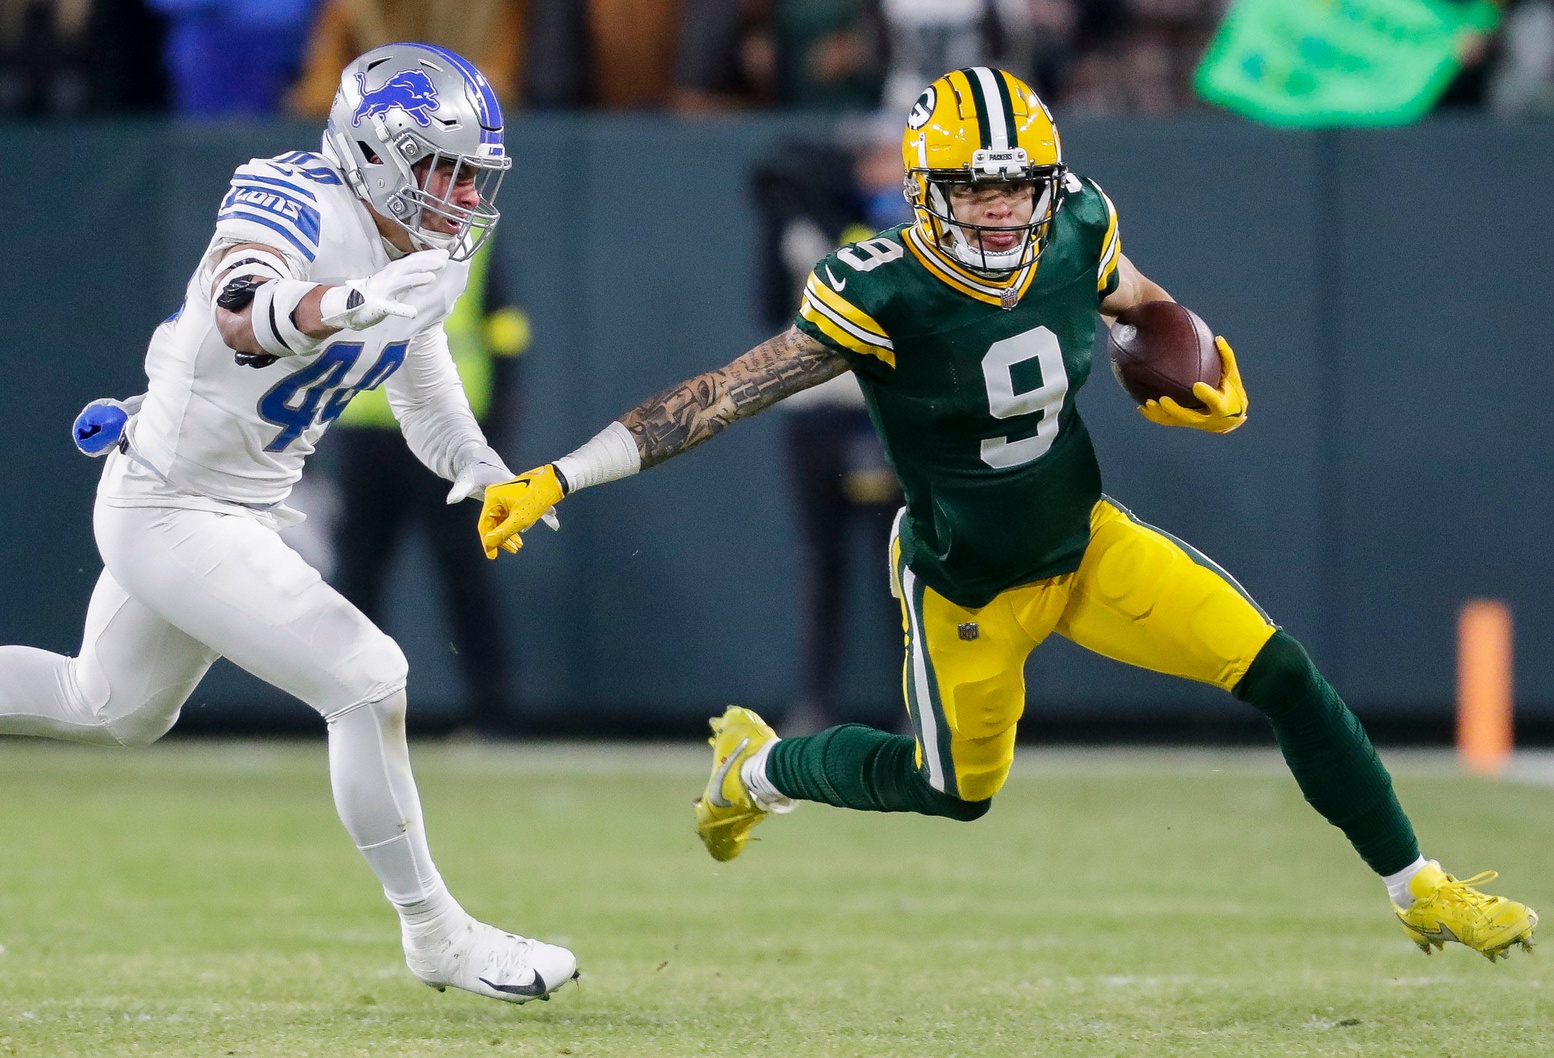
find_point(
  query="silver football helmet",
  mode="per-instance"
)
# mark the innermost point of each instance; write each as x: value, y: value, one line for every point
x: 405, y: 111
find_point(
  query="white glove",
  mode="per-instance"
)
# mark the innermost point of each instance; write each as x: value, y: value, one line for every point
x: 474, y: 478
x: 358, y: 304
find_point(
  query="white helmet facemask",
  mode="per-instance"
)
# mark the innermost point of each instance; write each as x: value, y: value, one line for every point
x: 963, y: 242
x: 405, y: 117
x: 990, y: 168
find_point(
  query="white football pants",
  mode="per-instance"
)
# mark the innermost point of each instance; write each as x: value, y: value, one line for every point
x: 182, y: 587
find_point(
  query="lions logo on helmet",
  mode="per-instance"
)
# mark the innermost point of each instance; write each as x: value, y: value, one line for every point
x: 981, y: 126
x: 402, y: 112
x: 410, y: 90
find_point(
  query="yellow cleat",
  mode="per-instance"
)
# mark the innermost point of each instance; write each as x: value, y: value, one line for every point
x: 1447, y: 909
x: 725, y: 812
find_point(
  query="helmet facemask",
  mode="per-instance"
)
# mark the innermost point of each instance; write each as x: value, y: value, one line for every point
x: 418, y: 163
x: 931, y: 191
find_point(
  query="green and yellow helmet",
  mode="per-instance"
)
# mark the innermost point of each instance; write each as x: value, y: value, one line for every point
x: 981, y: 126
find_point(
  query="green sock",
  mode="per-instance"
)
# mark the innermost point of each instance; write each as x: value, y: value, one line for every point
x: 854, y: 766
x: 1329, y: 754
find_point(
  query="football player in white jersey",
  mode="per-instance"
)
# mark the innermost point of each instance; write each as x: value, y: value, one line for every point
x: 329, y: 274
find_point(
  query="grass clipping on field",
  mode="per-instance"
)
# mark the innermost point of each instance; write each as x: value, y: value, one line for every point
x: 202, y: 899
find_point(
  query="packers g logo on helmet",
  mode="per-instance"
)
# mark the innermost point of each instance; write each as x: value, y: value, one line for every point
x: 982, y: 126
x: 922, y: 110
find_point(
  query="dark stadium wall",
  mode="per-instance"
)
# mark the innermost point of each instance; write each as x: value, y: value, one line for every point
x: 1385, y: 291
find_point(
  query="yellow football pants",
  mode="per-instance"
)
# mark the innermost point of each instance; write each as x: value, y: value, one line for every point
x: 1139, y: 596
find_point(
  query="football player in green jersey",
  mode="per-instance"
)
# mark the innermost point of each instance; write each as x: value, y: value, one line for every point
x: 970, y: 330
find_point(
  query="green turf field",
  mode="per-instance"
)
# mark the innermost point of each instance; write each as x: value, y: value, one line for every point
x: 202, y: 899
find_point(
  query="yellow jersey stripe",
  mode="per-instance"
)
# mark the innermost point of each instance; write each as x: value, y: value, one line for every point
x: 842, y: 332
x: 828, y: 296
x: 1111, y: 244
x: 930, y: 260
x: 1109, y: 262
x: 946, y: 266
x: 942, y: 268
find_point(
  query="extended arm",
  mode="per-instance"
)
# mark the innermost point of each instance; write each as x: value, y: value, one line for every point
x: 684, y: 416
x: 432, y: 409
x: 1224, y: 408
x: 678, y: 419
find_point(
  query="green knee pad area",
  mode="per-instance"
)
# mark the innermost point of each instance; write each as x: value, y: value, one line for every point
x: 855, y: 766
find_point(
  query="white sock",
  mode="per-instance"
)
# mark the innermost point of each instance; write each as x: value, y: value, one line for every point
x: 753, y: 774
x: 1397, y: 884
x: 375, y: 795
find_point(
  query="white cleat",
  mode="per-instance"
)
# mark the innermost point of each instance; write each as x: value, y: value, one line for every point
x: 482, y: 959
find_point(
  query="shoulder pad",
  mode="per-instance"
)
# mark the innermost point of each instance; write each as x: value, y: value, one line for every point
x: 1095, y: 213
x: 314, y: 167
x: 1088, y: 204
x: 846, y: 292
x: 275, y: 201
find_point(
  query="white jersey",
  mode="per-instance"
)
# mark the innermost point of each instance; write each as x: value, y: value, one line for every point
x: 218, y: 431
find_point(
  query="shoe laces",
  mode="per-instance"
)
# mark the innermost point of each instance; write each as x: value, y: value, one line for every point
x: 1462, y: 892
x: 505, y: 952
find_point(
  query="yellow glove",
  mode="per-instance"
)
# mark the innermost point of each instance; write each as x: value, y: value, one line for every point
x: 1224, y: 408
x: 514, y: 506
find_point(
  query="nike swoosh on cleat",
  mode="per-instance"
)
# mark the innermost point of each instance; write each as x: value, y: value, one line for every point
x: 534, y: 988
x: 715, y: 795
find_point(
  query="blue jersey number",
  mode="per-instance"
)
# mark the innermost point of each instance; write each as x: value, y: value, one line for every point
x: 315, y: 396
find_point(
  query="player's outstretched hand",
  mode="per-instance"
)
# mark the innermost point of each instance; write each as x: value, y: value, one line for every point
x: 1224, y: 409
x: 511, y: 507
x: 473, y: 479
x: 101, y: 424
x: 361, y: 303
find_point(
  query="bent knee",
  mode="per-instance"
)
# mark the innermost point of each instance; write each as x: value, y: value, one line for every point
x: 375, y: 673
x: 140, y: 729
x: 1282, y: 673
x: 127, y: 717
x: 930, y: 801
x: 967, y: 811
x: 933, y: 802
x: 145, y: 724
x: 982, y: 764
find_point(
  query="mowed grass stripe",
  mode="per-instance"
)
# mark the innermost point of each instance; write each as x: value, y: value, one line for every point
x: 202, y: 899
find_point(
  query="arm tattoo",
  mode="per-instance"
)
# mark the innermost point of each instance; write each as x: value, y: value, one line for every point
x: 686, y: 415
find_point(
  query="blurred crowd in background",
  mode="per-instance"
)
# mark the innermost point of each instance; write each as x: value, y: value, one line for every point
x: 212, y: 58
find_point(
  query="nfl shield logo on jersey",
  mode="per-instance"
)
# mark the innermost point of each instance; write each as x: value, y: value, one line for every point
x: 968, y: 631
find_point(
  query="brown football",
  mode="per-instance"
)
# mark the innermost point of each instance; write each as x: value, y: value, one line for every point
x: 1159, y: 349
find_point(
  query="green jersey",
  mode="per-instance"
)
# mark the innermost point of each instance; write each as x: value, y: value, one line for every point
x: 971, y: 383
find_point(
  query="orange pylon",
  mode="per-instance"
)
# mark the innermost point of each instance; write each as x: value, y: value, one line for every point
x: 1484, y: 686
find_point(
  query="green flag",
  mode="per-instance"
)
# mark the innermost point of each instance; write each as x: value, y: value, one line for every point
x: 1315, y: 63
